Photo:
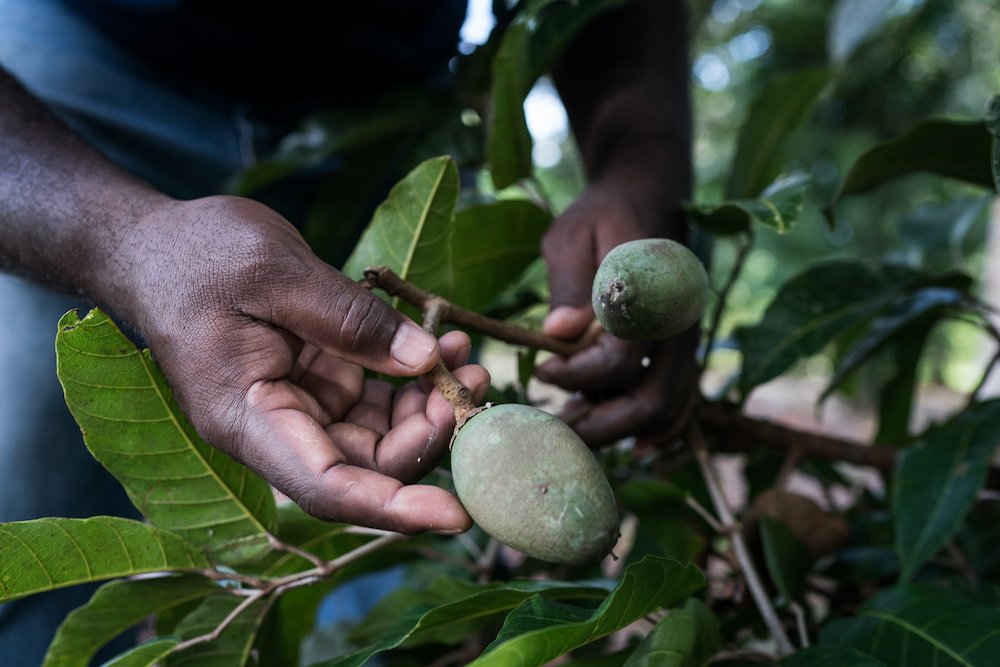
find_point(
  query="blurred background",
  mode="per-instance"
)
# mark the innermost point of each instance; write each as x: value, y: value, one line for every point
x: 891, y: 64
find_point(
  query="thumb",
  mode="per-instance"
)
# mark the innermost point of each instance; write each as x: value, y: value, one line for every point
x: 348, y: 321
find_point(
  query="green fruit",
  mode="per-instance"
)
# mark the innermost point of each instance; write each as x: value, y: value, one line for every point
x: 528, y: 480
x: 649, y: 289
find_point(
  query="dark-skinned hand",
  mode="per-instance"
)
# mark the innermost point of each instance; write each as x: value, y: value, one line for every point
x: 624, y: 388
x: 266, y: 347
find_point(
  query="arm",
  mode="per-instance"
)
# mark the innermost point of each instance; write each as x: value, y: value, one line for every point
x: 624, y: 82
x: 262, y: 342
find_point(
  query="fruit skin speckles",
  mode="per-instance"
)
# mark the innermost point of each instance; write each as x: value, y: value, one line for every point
x: 527, y: 479
x: 649, y: 289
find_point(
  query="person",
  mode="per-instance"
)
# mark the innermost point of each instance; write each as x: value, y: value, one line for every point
x: 119, y: 123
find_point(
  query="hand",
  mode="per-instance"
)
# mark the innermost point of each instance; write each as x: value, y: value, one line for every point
x: 266, y: 346
x: 627, y: 388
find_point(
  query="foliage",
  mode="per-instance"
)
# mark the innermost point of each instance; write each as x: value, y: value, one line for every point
x: 825, y: 244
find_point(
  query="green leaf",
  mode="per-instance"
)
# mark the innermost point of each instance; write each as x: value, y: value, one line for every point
x: 530, y: 46
x: 993, y: 124
x: 809, y: 311
x: 343, y: 204
x: 412, y: 229
x: 436, y: 613
x: 145, y: 655
x: 134, y: 427
x: 666, y: 523
x: 900, y: 318
x: 944, y: 227
x: 329, y: 133
x: 897, y: 396
x: 687, y: 637
x: 950, y: 148
x: 918, y: 625
x: 116, y: 607
x: 483, y: 606
x: 293, y: 615
x: 325, y: 539
x: 830, y: 656
x: 777, y: 111
x: 492, y: 246
x: 788, y: 560
x: 778, y: 208
x: 539, y: 630
x: 44, y: 554
x: 936, y: 482
x: 232, y: 648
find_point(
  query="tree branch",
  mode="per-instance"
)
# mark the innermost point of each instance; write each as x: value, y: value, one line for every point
x: 734, y: 431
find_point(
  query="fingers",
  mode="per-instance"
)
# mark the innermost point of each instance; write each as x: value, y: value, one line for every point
x: 610, y: 363
x: 569, y: 250
x: 651, y: 403
x: 568, y: 322
x: 605, y: 422
x: 413, y: 447
x: 288, y: 448
x: 366, y: 498
x: 347, y: 321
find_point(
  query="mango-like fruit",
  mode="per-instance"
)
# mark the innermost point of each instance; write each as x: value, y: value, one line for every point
x: 649, y: 289
x: 529, y: 480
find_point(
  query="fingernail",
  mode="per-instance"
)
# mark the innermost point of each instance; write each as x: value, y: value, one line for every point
x: 412, y: 346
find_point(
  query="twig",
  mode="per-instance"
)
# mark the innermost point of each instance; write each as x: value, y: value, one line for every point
x: 387, y: 280
x: 704, y: 514
x: 470, y: 546
x: 216, y: 575
x: 974, y: 394
x: 720, y: 302
x: 788, y: 466
x: 800, y: 623
x: 748, y: 654
x: 725, y: 513
x: 273, y: 588
x: 960, y: 561
x: 294, y: 550
x: 346, y: 559
x: 485, y: 563
x: 225, y: 623
x: 364, y: 530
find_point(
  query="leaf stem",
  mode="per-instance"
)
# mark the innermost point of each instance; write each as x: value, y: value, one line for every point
x: 700, y: 510
x: 720, y: 302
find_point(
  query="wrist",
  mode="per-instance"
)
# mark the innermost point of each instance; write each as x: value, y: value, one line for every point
x: 634, y: 148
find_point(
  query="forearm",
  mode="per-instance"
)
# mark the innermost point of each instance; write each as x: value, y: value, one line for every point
x: 624, y: 82
x: 66, y: 212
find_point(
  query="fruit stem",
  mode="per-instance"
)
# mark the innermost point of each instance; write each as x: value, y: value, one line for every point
x: 454, y: 391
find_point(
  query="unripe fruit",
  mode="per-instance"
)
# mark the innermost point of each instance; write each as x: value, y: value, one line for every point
x: 528, y: 480
x: 649, y: 289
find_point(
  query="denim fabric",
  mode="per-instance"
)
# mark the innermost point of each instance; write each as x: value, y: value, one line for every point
x: 187, y: 146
